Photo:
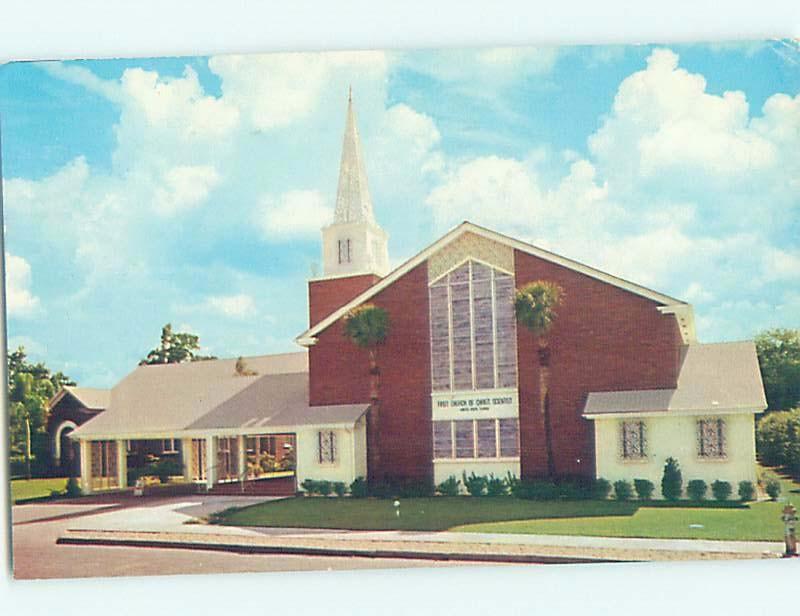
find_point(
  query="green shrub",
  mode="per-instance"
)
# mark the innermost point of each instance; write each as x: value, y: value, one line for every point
x: 696, y: 489
x: 73, y: 489
x: 778, y: 439
x: 644, y: 489
x: 773, y: 488
x: 721, y: 490
x: 475, y: 484
x: 672, y: 480
x: 601, y: 488
x: 324, y: 487
x: 623, y: 490
x: 339, y: 488
x: 496, y: 486
x: 358, y: 488
x: 309, y: 486
x: 449, y: 487
x: 165, y: 468
x: 747, y: 491
x: 414, y: 488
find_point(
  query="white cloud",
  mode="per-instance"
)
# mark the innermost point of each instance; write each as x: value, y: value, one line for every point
x: 184, y: 187
x: 238, y: 306
x: 296, y: 213
x: 21, y: 302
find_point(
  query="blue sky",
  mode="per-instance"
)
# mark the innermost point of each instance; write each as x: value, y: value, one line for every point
x: 192, y: 190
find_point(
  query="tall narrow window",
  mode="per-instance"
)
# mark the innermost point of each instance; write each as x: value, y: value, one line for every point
x: 711, y: 438
x: 465, y: 439
x: 348, y: 251
x: 634, y: 444
x: 509, y: 437
x: 442, y: 439
x: 487, y: 438
x: 326, y: 447
x: 473, y: 330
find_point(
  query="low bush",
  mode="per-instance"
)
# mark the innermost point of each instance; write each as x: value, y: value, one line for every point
x: 415, y: 488
x: 358, y: 488
x: 309, y: 486
x: 449, y: 487
x: 644, y: 489
x: 747, y: 491
x: 721, y: 490
x: 672, y: 480
x: 696, y: 489
x: 475, y: 484
x: 778, y: 439
x: 622, y: 490
x: 601, y: 488
x: 324, y: 487
x: 773, y: 488
x: 339, y: 488
x: 496, y: 486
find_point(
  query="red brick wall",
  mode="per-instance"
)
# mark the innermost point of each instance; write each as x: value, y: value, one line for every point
x: 325, y: 296
x: 339, y: 374
x: 603, y: 339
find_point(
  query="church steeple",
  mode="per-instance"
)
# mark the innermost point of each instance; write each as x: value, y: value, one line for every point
x: 353, y: 203
x: 354, y: 243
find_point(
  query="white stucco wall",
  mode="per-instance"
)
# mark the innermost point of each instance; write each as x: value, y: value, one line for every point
x: 676, y: 436
x: 442, y: 469
x: 351, y: 455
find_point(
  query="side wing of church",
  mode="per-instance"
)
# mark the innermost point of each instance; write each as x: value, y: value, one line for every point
x: 460, y: 387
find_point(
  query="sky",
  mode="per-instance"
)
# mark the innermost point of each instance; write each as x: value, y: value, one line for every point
x: 193, y: 190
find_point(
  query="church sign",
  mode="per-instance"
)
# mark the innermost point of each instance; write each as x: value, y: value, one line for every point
x: 475, y: 404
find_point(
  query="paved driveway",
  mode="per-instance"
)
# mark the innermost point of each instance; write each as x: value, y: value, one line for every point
x: 36, y: 528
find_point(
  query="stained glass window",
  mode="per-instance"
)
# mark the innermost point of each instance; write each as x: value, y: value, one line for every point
x: 326, y: 447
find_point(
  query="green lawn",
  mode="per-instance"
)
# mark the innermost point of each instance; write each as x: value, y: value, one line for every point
x: 23, y: 489
x: 756, y: 521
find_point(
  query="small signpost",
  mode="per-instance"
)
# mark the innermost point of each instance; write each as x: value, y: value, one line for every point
x: 789, y: 518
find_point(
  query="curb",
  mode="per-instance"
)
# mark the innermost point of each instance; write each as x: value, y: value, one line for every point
x: 240, y: 548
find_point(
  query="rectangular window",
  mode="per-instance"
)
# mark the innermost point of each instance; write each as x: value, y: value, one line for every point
x: 465, y: 439
x: 487, y: 438
x: 348, y: 251
x: 483, y: 326
x: 442, y: 439
x: 509, y: 437
x: 228, y: 458
x: 506, y: 330
x: 440, y: 337
x: 711, y: 438
x: 168, y: 446
x: 461, y: 319
x: 326, y: 447
x: 634, y: 444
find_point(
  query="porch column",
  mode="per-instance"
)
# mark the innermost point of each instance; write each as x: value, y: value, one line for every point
x: 240, y: 463
x: 122, y: 464
x: 186, y: 458
x: 211, y: 461
x: 86, y: 466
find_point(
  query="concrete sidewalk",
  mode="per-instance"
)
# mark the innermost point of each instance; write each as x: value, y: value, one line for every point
x: 433, y: 546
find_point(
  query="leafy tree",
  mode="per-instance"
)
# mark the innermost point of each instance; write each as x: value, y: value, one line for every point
x: 30, y: 387
x: 779, y: 358
x: 367, y: 327
x: 175, y: 348
x: 535, y: 307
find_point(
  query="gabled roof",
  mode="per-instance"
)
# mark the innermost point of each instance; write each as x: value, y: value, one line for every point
x: 669, y: 304
x: 713, y: 378
x: 209, y: 396
x: 92, y: 398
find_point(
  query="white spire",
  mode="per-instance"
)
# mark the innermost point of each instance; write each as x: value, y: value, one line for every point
x: 353, y: 203
x: 354, y: 243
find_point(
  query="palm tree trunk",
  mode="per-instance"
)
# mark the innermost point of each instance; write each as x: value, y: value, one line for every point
x: 28, y: 446
x: 544, y: 404
x: 373, y: 425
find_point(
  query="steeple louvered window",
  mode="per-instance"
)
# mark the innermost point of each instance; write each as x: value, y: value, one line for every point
x: 473, y: 331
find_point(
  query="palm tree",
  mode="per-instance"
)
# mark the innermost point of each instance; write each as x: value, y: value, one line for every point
x: 535, y: 307
x: 367, y: 327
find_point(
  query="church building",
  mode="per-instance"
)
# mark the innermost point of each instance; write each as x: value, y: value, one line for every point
x: 459, y: 380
